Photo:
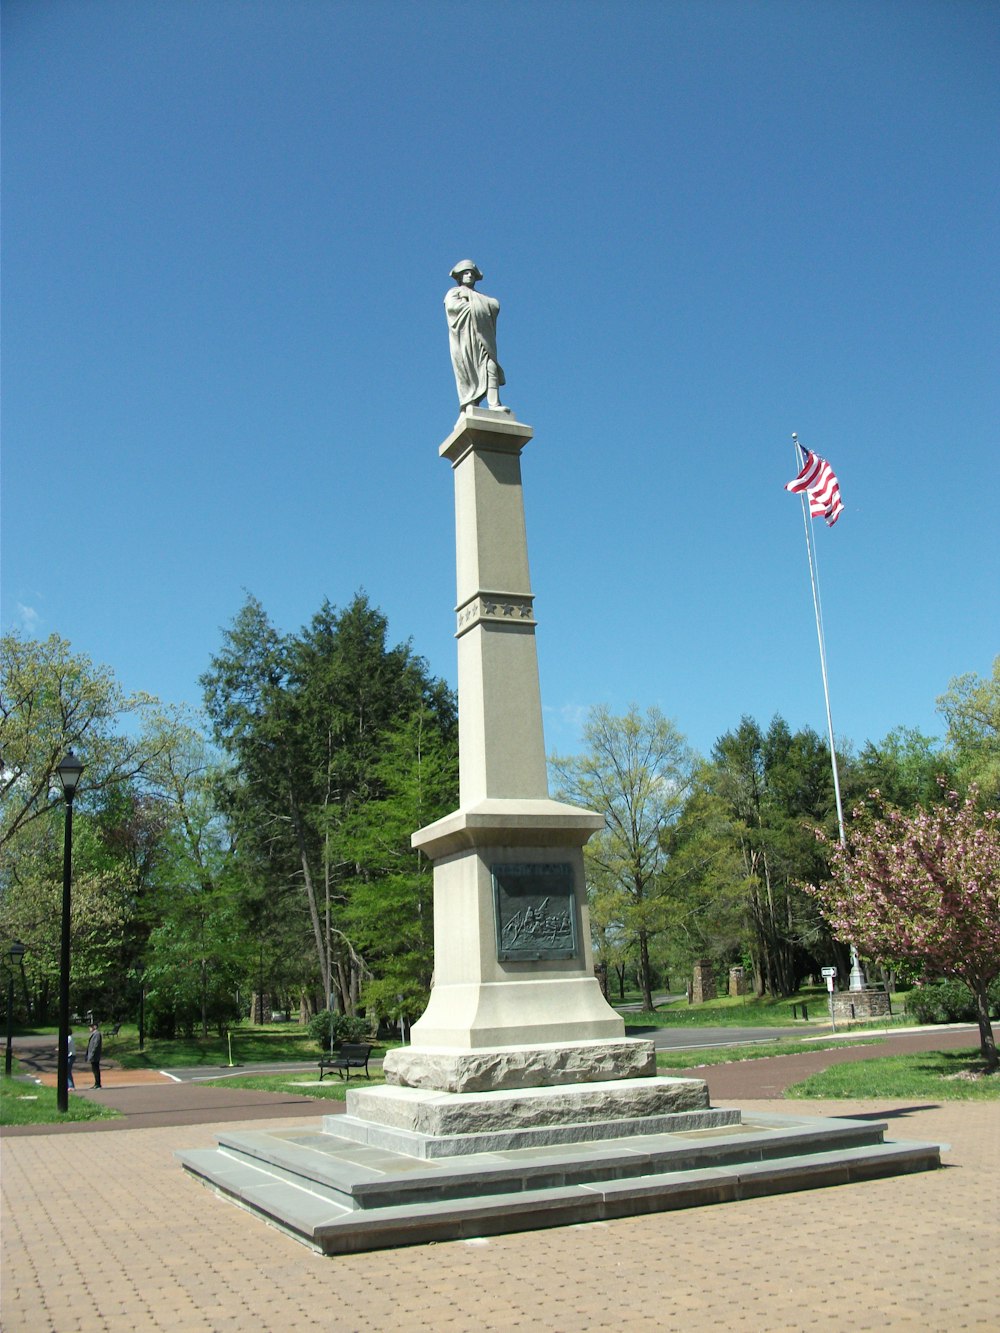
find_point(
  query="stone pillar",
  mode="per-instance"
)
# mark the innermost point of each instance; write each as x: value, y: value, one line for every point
x: 513, y: 965
x: 501, y: 746
x: 703, y: 982
x: 737, y: 981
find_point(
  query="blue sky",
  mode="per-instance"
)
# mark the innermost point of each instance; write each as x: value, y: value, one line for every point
x: 228, y: 228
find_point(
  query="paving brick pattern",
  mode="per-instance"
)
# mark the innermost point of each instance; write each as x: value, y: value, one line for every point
x: 107, y: 1232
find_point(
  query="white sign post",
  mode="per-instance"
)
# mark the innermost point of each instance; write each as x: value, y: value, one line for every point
x: 831, y: 976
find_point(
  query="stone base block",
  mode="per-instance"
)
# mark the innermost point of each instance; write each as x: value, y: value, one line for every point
x: 861, y: 1004
x: 507, y: 1067
x: 439, y: 1147
x: 446, y: 1113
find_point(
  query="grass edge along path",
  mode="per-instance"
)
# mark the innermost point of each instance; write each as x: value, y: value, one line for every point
x: 332, y: 1089
x: 955, y: 1075
x: 690, y: 1057
x: 746, y: 1011
x: 24, y: 1102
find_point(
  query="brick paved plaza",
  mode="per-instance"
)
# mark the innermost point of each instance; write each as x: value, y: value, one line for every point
x: 104, y: 1231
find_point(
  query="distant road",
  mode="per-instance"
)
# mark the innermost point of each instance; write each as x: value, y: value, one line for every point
x: 682, y: 1038
x: 679, y: 1039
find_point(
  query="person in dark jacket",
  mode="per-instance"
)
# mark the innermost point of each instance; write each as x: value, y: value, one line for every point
x: 94, y: 1046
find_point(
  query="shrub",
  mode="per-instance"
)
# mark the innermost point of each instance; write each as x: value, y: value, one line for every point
x: 948, y: 1002
x: 327, y: 1026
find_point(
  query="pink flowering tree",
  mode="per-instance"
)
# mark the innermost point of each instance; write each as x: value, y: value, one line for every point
x: 922, y: 888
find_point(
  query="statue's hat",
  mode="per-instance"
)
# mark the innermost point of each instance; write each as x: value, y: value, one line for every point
x: 461, y: 267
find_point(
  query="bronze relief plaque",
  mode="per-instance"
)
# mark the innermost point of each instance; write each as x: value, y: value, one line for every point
x: 534, y: 912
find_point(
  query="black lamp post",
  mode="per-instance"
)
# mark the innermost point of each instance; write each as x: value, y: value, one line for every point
x: 69, y: 772
x: 142, y: 1005
x: 16, y: 952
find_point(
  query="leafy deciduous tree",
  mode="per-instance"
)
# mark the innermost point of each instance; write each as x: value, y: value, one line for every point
x: 53, y: 700
x: 923, y: 888
x: 971, y: 708
x: 636, y: 771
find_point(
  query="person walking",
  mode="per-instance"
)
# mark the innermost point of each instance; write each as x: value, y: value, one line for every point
x: 94, y: 1046
x: 70, y: 1057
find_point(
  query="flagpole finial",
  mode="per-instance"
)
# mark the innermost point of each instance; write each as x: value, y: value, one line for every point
x: 795, y: 437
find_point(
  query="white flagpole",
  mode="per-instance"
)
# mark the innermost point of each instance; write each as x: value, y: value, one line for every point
x: 857, y: 981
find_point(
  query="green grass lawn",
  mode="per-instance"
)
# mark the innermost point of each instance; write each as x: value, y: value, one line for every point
x: 929, y: 1075
x: 24, y: 1103
x: 284, y: 1042
x: 726, y: 1055
x: 736, y: 1011
x: 332, y: 1089
x: 250, y: 1045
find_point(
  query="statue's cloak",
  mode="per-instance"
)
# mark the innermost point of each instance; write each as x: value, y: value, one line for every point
x: 472, y: 331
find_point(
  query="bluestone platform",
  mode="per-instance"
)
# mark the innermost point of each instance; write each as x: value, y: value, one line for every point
x: 341, y: 1195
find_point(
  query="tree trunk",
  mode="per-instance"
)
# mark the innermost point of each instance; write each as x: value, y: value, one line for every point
x: 987, y: 1042
x: 343, y: 987
x: 321, y: 944
x: 644, y: 979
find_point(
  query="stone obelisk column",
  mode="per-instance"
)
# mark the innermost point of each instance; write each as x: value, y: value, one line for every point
x: 513, y: 965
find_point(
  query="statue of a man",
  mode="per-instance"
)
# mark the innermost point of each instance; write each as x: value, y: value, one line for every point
x: 472, y: 329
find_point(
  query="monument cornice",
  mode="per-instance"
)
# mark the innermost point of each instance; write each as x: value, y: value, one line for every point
x: 503, y: 822
x: 481, y: 428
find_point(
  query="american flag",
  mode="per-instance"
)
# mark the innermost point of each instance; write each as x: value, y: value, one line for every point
x: 817, y: 479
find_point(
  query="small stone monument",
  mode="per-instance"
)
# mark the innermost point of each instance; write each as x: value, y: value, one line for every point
x: 703, y: 982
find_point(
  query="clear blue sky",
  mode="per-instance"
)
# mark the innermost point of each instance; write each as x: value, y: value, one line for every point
x: 228, y: 227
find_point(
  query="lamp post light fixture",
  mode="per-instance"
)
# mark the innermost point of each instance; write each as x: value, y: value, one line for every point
x: 16, y: 952
x: 69, y: 772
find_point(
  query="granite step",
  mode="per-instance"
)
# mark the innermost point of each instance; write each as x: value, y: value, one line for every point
x: 357, y: 1175
x: 334, y: 1228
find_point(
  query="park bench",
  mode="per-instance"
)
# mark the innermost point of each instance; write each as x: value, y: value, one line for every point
x: 352, y: 1055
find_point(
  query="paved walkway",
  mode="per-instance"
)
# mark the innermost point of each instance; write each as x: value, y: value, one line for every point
x: 107, y: 1232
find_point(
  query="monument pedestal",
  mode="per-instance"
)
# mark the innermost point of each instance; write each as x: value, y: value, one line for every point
x: 512, y: 960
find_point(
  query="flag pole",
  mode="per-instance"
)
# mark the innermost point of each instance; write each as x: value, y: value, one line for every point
x: 857, y: 981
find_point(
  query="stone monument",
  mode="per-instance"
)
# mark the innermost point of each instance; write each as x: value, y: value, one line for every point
x: 515, y: 1002
x: 520, y: 1102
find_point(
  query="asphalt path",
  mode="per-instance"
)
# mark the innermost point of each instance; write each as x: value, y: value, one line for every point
x: 699, y: 1038
x: 683, y: 1038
